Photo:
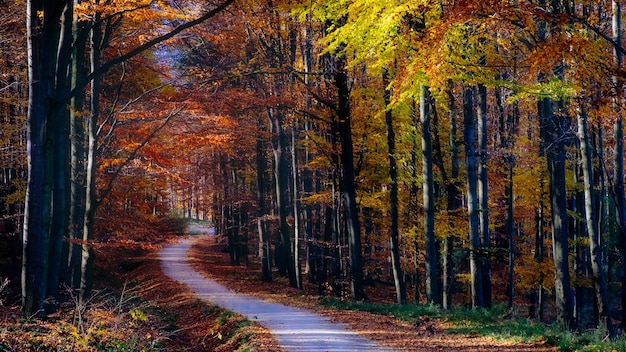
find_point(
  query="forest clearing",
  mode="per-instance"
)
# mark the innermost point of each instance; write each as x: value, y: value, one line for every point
x: 453, y: 170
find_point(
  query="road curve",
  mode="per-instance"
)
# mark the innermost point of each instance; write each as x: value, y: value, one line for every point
x: 295, y: 329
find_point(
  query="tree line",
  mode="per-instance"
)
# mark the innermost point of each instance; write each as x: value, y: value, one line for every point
x: 477, y: 145
x: 468, y: 153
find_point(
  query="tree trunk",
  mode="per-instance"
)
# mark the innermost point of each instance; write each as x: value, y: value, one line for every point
x: 428, y: 184
x: 552, y: 132
x: 476, y: 282
x: 296, y: 206
x: 91, y: 201
x: 60, y: 131
x: 264, y: 240
x: 595, y: 250
x: 43, y: 31
x: 618, y: 136
x: 413, y: 203
x: 483, y: 195
x: 453, y: 201
x: 539, y: 254
x: 348, y: 183
x: 281, y: 184
x: 394, y: 235
x: 507, y: 130
x: 78, y: 140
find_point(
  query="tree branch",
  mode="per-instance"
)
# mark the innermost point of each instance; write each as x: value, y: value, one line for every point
x: 133, y: 154
x: 149, y: 44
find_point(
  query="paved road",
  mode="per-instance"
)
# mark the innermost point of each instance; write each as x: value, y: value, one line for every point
x: 295, y: 329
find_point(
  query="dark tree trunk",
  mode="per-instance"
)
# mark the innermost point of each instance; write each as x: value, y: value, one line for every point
x: 595, y: 249
x: 454, y: 203
x: 78, y: 140
x: 483, y: 195
x: 552, y: 132
x: 91, y: 201
x: 348, y: 183
x: 394, y: 236
x: 45, y: 64
x: 428, y: 183
x: 476, y: 283
x: 264, y: 238
x: 281, y: 184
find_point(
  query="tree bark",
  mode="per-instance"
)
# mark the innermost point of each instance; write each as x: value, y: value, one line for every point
x: 348, y: 182
x: 78, y: 140
x: 43, y: 31
x: 595, y: 249
x: 59, y: 128
x: 281, y: 184
x: 428, y: 184
x: 618, y: 152
x: 264, y: 240
x: 453, y: 203
x: 476, y: 280
x: 552, y: 132
x: 91, y: 201
x: 296, y: 206
x: 394, y: 236
x: 483, y: 195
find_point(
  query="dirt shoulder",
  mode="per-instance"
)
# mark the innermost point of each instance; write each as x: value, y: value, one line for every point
x: 209, y: 258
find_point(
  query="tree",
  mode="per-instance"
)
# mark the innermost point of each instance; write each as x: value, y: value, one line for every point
x: 393, y: 197
x: 599, y: 286
x: 428, y: 185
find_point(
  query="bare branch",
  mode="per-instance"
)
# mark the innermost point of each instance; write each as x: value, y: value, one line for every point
x: 133, y: 154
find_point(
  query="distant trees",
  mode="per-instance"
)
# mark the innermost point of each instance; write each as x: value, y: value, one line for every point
x: 492, y: 182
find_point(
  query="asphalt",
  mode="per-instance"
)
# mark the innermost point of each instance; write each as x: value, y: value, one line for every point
x: 295, y: 329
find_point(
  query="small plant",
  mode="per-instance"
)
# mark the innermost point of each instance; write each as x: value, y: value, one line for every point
x: 4, y: 283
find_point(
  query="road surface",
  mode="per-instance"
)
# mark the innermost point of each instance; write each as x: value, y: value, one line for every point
x: 295, y: 329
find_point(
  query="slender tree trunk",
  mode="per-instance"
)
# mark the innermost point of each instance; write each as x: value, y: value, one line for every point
x: 483, y: 195
x: 281, y: 184
x: 539, y: 254
x: 313, y: 250
x: 394, y: 235
x: 428, y: 183
x: 595, y: 251
x: 264, y: 240
x: 33, y: 293
x: 507, y: 137
x: 476, y: 283
x: 77, y: 156
x: 618, y: 136
x: 413, y: 202
x: 60, y: 132
x: 348, y: 183
x: 296, y: 205
x: 552, y: 131
x: 454, y: 203
x: 91, y: 201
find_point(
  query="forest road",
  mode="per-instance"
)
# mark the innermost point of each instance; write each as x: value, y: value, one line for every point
x: 295, y: 329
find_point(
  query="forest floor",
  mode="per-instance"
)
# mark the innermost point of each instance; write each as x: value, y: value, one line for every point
x: 210, y: 259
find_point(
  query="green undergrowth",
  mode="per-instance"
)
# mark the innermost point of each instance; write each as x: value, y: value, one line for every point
x: 496, y: 322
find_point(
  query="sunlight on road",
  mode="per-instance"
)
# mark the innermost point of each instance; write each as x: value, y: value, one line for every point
x: 295, y: 329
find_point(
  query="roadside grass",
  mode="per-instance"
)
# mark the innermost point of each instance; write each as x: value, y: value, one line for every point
x: 120, y: 321
x: 496, y: 323
x: 109, y: 321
